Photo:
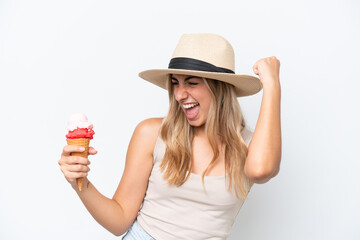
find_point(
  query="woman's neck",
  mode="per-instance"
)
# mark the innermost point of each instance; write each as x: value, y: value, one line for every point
x: 200, y: 131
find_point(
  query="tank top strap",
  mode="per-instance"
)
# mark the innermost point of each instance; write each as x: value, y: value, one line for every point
x: 159, y: 150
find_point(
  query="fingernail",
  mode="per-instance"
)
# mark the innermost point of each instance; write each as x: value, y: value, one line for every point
x: 82, y: 149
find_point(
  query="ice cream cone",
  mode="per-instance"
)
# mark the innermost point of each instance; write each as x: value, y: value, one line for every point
x: 81, y: 142
x: 80, y: 133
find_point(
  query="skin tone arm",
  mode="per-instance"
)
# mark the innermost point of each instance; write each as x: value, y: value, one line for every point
x: 116, y: 214
x: 264, y: 156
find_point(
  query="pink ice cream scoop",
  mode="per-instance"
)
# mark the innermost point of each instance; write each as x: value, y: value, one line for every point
x: 79, y: 127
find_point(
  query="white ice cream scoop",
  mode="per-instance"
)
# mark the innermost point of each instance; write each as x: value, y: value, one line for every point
x: 78, y: 120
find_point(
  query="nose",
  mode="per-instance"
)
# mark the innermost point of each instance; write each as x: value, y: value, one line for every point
x: 180, y: 93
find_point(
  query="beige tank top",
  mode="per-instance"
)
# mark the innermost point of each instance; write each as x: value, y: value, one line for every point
x: 188, y: 212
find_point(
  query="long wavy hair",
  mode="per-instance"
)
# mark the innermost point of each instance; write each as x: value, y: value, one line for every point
x: 224, y: 123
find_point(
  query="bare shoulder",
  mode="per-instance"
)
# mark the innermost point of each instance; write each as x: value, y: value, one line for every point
x: 149, y: 129
x: 145, y: 135
x: 150, y: 124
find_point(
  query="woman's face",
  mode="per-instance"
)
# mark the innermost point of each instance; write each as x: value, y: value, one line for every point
x: 193, y: 96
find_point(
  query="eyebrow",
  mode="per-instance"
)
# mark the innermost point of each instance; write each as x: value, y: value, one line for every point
x: 186, y: 79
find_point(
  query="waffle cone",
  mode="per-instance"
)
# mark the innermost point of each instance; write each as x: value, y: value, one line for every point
x: 81, y: 142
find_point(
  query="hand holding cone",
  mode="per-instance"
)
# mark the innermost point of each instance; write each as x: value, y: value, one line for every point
x: 80, y: 134
x: 81, y: 142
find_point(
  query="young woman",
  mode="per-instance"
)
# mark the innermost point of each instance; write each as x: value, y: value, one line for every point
x: 187, y: 175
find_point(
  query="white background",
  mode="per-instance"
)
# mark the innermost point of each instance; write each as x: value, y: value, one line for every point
x: 60, y: 57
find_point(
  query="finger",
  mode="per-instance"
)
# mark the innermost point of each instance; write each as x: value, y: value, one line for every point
x: 255, y: 69
x: 72, y: 160
x: 92, y: 151
x: 68, y: 149
x: 72, y: 176
x: 75, y: 168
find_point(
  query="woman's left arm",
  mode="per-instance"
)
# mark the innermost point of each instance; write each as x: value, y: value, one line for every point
x: 264, y: 156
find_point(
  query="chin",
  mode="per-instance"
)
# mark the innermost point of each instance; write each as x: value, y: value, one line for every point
x: 196, y: 123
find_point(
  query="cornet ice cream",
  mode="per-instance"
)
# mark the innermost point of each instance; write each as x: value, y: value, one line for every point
x: 80, y: 133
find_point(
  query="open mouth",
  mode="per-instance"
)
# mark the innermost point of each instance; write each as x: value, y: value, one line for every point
x: 191, y: 110
x: 191, y: 105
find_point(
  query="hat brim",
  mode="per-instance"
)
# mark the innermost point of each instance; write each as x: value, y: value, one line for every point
x: 245, y: 85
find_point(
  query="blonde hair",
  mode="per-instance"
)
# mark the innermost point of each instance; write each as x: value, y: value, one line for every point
x: 224, y: 122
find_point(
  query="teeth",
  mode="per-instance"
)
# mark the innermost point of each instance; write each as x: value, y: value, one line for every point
x: 187, y: 106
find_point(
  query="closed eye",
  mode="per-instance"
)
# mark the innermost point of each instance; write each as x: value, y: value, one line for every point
x: 174, y: 81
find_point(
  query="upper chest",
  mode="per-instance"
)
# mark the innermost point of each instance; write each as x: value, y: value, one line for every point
x: 202, y: 155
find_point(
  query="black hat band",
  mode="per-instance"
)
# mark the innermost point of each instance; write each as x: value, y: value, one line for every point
x: 196, y: 65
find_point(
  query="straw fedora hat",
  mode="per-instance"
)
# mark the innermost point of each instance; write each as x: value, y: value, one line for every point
x: 204, y: 55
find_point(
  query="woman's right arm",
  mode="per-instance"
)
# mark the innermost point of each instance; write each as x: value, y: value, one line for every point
x: 117, y: 214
